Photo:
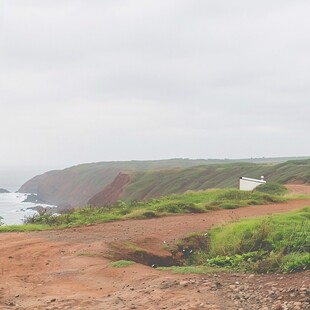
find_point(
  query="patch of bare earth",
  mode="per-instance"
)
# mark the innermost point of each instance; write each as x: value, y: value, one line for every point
x: 69, y: 269
x: 298, y: 189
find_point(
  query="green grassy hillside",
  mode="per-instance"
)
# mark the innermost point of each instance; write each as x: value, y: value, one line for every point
x: 74, y: 186
x: 280, y: 242
x: 290, y: 171
x: 150, y: 184
x: 77, y: 185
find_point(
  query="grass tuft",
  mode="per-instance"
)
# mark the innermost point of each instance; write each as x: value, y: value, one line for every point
x: 121, y: 263
x: 190, y: 269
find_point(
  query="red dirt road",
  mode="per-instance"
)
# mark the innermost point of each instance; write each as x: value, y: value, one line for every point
x: 66, y: 269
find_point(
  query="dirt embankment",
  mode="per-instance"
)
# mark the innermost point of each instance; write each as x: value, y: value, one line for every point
x: 69, y: 269
x: 111, y: 193
x: 298, y: 189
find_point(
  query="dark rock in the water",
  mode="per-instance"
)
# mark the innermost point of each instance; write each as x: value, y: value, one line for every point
x: 43, y: 210
x: 4, y: 191
x: 33, y: 198
x: 63, y: 208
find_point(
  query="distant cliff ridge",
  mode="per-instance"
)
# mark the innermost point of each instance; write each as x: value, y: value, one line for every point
x: 75, y: 186
x: 4, y: 191
x: 104, y: 183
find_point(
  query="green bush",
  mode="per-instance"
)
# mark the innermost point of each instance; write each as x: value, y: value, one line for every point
x: 228, y: 205
x: 238, y: 261
x: 278, y: 243
x: 295, y: 262
x: 272, y: 188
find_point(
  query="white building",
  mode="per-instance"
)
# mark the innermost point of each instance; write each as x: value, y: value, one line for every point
x: 248, y: 184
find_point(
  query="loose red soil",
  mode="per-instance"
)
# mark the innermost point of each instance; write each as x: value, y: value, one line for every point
x: 68, y: 269
x: 298, y: 189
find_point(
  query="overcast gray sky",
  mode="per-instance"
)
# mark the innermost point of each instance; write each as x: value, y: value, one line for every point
x: 85, y: 81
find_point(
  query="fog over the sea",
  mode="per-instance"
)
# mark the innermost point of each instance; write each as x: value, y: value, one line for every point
x: 85, y: 81
x: 12, y: 177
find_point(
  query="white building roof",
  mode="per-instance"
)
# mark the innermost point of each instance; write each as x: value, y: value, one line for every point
x: 253, y: 180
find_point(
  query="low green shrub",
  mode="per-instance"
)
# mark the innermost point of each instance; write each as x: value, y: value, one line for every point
x: 295, y: 262
x: 278, y: 243
x: 141, y: 214
x: 272, y: 188
x: 190, y: 269
x: 229, y: 205
x: 238, y: 261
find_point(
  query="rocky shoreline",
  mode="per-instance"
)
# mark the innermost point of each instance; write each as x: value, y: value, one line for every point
x: 33, y: 198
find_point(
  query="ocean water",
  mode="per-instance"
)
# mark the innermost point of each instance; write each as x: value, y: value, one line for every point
x: 13, y: 210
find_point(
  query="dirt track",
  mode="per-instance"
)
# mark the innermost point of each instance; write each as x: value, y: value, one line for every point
x: 66, y: 270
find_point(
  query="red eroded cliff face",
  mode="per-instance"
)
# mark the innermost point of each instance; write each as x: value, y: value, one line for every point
x: 112, y: 192
x: 71, y: 187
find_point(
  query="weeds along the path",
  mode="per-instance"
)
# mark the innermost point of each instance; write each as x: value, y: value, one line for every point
x: 189, y: 202
x: 277, y: 243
